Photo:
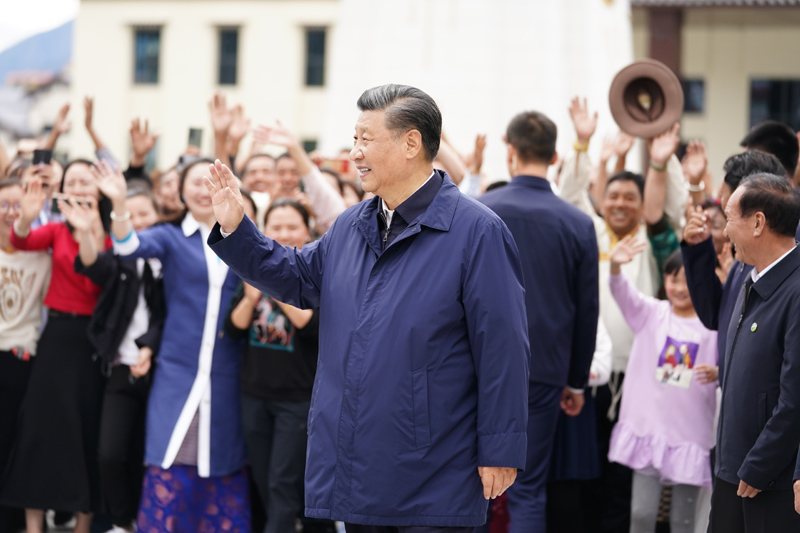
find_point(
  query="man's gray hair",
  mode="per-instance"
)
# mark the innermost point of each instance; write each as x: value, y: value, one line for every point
x: 407, y: 108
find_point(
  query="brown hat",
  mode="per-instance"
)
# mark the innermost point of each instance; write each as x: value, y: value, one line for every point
x: 646, y: 98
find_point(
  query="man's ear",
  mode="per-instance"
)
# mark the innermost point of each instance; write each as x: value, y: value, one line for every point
x: 413, y: 143
x: 554, y: 159
x: 760, y: 224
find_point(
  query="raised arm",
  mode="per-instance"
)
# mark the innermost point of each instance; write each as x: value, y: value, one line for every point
x: 291, y: 276
x: 240, y: 126
x: 221, y: 120
x: 451, y: 161
x: 662, y: 149
x: 142, y: 143
x: 31, y: 205
x: 631, y: 302
x: 100, y: 149
x: 695, y: 167
x: 61, y: 125
x: 326, y: 202
x: 577, y: 168
x: 700, y: 262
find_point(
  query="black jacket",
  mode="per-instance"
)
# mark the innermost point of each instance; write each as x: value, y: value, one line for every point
x: 112, y: 315
x: 759, y: 423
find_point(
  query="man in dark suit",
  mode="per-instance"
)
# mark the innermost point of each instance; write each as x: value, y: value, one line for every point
x: 759, y: 424
x: 558, y: 249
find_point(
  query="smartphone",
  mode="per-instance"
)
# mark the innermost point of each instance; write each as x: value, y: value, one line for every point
x: 340, y: 166
x: 195, y: 137
x: 54, y: 207
x: 42, y: 156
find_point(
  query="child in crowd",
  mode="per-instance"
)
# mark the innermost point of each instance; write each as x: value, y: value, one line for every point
x: 666, y: 422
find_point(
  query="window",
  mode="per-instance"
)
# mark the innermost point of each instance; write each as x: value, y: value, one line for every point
x: 309, y: 145
x: 147, y: 48
x: 693, y: 95
x: 228, y: 53
x: 315, y: 57
x: 775, y: 100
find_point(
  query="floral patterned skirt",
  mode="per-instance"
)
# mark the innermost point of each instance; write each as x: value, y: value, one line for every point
x: 178, y: 500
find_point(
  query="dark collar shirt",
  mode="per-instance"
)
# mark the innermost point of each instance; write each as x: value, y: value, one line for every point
x: 404, y: 214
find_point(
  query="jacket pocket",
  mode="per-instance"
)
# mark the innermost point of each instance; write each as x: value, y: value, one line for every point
x: 762, y: 410
x: 422, y: 430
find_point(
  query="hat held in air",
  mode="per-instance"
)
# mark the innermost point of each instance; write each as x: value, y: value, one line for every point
x: 645, y: 98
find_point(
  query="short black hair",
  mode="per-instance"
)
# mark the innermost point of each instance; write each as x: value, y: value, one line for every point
x: 533, y: 135
x: 407, y: 108
x: 774, y: 196
x: 627, y: 175
x: 253, y: 158
x: 777, y: 139
x: 673, y: 264
x: 289, y: 202
x: 750, y: 162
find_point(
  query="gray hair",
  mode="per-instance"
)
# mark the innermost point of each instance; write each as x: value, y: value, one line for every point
x: 407, y: 108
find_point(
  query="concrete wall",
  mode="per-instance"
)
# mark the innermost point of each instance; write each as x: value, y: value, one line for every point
x: 270, y: 70
x: 727, y: 48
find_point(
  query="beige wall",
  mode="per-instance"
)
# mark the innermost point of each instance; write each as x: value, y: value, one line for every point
x: 270, y: 69
x: 728, y: 47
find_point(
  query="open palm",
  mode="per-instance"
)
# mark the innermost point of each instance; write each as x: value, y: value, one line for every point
x: 225, y: 196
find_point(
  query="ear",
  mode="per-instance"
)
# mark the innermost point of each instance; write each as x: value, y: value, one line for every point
x: 760, y: 224
x: 511, y: 154
x: 555, y: 158
x: 413, y: 143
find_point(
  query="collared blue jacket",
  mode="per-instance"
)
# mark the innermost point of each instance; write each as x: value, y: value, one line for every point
x: 558, y: 248
x: 759, y: 422
x: 423, y: 364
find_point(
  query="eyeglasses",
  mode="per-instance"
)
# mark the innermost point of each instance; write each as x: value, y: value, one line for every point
x: 5, y: 207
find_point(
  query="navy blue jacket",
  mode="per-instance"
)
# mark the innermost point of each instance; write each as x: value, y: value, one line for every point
x: 423, y: 358
x: 558, y: 249
x: 713, y: 301
x: 759, y: 424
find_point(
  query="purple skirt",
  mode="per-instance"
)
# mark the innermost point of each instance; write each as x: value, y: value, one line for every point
x: 178, y: 500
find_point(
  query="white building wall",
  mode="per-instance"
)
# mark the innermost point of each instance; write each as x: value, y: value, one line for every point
x: 728, y: 48
x: 270, y: 76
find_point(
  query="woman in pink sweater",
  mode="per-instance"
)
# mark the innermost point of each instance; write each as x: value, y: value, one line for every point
x: 666, y: 422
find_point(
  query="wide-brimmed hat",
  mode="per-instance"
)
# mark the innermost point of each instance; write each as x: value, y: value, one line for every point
x: 646, y: 98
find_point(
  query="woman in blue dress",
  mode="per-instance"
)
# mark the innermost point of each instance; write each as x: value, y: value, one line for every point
x: 195, y: 450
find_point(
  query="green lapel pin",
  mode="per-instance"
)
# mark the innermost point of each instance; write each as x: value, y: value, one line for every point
x: 754, y: 327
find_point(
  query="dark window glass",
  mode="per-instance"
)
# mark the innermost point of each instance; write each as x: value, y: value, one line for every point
x: 309, y: 145
x: 228, y: 52
x: 693, y: 96
x: 775, y: 100
x: 147, y: 47
x: 315, y: 57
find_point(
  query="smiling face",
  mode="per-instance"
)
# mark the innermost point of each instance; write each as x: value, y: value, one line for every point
x: 143, y: 212
x: 10, y: 198
x: 622, y: 206
x: 79, y: 182
x: 678, y: 291
x: 288, y: 177
x: 739, y: 230
x: 260, y: 174
x: 285, y: 225
x: 378, y: 153
x: 195, y: 193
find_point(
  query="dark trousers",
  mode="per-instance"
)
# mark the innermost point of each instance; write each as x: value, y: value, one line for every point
x: 769, y: 511
x: 527, y: 497
x: 276, y: 434
x: 355, y: 528
x: 14, y: 374
x: 121, y: 449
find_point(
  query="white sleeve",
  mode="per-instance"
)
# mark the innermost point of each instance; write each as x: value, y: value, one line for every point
x: 600, y: 371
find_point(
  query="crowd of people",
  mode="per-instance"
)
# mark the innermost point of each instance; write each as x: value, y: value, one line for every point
x: 146, y: 384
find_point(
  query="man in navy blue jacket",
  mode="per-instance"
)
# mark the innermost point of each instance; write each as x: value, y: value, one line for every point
x: 558, y: 248
x: 759, y: 424
x: 419, y: 408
